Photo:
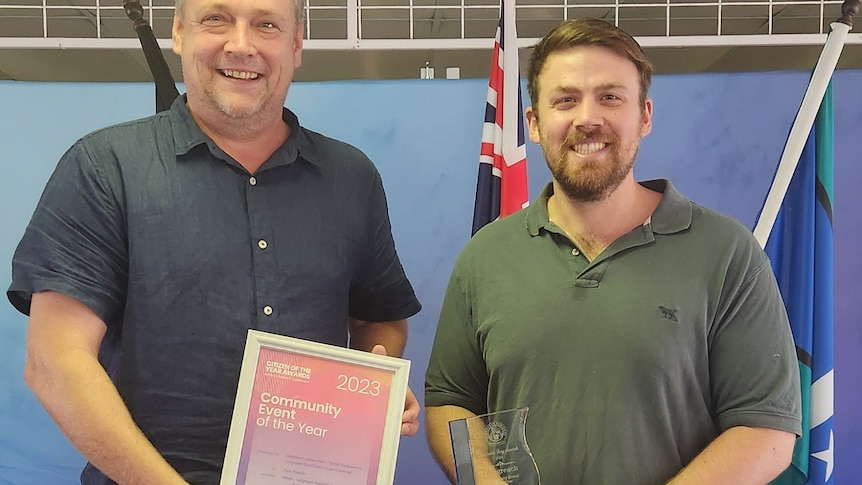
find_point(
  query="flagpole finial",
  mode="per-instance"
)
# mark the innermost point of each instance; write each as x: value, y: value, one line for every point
x: 849, y: 9
x: 135, y: 12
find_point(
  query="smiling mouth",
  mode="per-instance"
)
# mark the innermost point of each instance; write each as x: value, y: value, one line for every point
x: 245, y: 75
x: 588, y: 148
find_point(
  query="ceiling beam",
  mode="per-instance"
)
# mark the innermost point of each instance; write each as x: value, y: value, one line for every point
x: 776, y: 15
x: 436, y: 21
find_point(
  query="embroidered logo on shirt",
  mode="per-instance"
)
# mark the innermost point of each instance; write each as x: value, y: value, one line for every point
x: 668, y: 313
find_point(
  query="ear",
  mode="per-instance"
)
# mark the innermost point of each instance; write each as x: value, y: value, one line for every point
x: 297, y: 45
x: 532, y: 125
x: 177, y: 34
x: 646, y: 118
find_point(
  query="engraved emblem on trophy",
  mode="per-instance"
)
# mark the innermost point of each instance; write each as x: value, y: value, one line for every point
x: 492, y: 449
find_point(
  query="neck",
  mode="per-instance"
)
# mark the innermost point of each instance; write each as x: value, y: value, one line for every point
x: 249, y: 141
x: 593, y: 226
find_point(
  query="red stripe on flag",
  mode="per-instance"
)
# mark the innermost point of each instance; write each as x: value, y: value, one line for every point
x: 502, y: 188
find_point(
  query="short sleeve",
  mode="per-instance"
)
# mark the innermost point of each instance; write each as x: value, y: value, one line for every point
x: 381, y: 290
x: 753, y: 367
x: 75, y: 241
x: 456, y: 373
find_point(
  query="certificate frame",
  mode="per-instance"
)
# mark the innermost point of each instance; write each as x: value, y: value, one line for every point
x: 262, y: 373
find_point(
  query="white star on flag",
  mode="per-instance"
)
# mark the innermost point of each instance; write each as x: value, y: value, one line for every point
x: 827, y: 456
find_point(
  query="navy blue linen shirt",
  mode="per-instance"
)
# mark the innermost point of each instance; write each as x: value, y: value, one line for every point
x: 180, y: 250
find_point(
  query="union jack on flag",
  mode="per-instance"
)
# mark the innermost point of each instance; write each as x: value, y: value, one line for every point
x: 501, y: 188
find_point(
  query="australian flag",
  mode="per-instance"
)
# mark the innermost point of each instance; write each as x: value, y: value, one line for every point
x: 501, y: 188
x: 800, y: 247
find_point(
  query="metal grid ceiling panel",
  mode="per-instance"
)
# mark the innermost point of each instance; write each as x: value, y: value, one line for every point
x: 442, y: 24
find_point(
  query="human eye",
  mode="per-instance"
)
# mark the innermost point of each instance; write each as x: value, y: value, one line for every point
x: 269, y: 25
x: 213, y: 20
x: 564, y: 102
x: 612, y: 99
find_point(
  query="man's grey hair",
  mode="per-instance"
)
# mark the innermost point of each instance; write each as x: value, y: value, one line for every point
x: 299, y: 9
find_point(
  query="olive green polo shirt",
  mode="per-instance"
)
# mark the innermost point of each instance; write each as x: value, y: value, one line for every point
x: 630, y: 364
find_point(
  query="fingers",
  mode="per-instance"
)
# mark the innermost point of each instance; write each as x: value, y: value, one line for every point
x: 410, y: 418
x: 409, y: 429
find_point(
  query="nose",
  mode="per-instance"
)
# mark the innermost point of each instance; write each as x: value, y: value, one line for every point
x: 588, y: 115
x: 240, y: 40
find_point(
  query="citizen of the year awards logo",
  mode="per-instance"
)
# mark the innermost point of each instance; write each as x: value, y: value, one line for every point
x: 292, y: 372
x: 496, y: 432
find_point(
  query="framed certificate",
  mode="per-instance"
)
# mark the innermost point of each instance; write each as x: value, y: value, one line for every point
x: 314, y: 413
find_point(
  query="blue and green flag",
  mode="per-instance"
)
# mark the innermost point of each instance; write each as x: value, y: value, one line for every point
x: 800, y: 248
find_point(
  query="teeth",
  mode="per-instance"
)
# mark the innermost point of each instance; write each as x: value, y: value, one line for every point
x: 587, y: 148
x: 240, y: 74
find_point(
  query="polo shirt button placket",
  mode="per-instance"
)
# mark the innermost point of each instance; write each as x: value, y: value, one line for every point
x: 252, y: 181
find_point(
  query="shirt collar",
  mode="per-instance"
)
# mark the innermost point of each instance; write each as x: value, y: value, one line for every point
x: 187, y: 135
x: 673, y: 213
x: 537, y: 212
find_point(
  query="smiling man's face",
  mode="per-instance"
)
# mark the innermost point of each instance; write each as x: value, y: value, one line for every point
x: 238, y: 56
x: 589, y: 120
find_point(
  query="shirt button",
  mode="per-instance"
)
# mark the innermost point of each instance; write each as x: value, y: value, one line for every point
x: 575, y: 252
x: 261, y: 244
x: 267, y: 310
x: 252, y: 181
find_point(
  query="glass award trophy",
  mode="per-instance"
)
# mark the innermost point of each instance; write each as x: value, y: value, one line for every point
x: 491, y: 449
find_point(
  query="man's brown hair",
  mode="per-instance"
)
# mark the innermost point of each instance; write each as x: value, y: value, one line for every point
x: 587, y: 31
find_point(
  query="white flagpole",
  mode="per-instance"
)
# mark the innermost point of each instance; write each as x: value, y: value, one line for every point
x: 801, y: 128
x: 511, y: 84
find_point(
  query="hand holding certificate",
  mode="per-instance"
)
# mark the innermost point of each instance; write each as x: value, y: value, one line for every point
x: 314, y: 413
x: 410, y: 417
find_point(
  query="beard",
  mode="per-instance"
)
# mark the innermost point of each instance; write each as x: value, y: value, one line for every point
x: 238, y: 111
x: 590, y: 180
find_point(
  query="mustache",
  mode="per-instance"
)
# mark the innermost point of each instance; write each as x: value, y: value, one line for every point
x: 579, y: 136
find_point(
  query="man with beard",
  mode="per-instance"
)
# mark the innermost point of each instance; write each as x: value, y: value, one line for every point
x: 645, y: 333
x: 158, y: 243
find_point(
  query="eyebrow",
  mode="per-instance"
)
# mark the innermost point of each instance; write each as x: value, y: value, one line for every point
x: 561, y: 88
x: 257, y: 12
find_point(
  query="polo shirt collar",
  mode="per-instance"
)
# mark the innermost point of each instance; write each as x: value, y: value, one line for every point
x: 673, y: 213
x: 537, y: 213
x: 187, y: 135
